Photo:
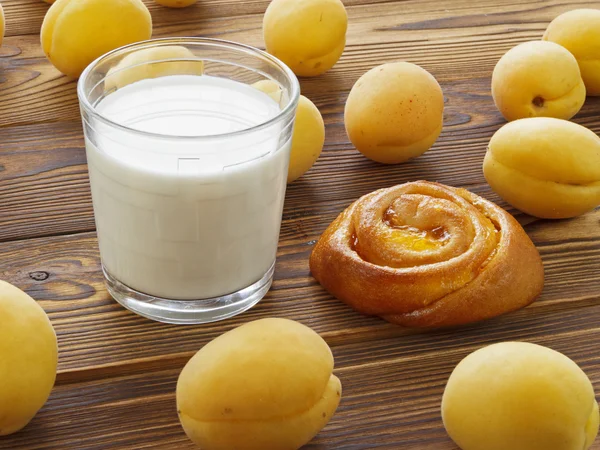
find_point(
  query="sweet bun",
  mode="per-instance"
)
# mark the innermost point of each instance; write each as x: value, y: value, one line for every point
x: 424, y: 254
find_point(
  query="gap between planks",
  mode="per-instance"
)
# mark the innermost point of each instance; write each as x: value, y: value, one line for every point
x: 334, y: 339
x: 161, y: 11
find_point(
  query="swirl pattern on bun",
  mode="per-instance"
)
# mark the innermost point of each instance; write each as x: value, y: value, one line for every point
x: 423, y: 254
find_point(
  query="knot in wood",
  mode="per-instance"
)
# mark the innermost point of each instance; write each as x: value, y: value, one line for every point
x: 39, y: 276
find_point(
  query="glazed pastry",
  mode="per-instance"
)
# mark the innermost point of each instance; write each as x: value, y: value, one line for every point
x: 428, y: 255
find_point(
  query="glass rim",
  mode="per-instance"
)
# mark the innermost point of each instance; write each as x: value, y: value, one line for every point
x: 248, y: 49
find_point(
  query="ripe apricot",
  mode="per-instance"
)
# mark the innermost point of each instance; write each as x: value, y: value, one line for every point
x: 520, y: 396
x: 308, y: 35
x: 1, y: 24
x: 308, y: 139
x: 269, y: 87
x: 309, y: 131
x: 538, y: 79
x: 29, y: 357
x: 266, y: 385
x: 579, y: 32
x: 76, y: 32
x: 153, y: 62
x: 394, y: 112
x: 546, y: 167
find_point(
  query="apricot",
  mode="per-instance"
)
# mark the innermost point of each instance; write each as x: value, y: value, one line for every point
x: 271, y: 88
x: 29, y: 356
x: 76, y: 32
x: 394, y: 112
x: 579, y: 32
x: 309, y: 35
x: 176, y: 3
x: 153, y: 62
x: 1, y: 24
x: 546, y: 167
x: 519, y: 396
x: 308, y: 139
x: 309, y: 131
x: 266, y: 385
x: 538, y: 79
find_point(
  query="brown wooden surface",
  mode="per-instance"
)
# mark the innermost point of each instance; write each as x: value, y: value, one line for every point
x: 117, y: 371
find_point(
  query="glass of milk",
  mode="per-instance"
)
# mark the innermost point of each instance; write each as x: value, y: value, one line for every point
x: 188, y: 163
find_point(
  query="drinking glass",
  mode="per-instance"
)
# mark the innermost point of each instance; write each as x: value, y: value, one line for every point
x: 188, y: 163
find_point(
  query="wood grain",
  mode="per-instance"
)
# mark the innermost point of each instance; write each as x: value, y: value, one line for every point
x: 44, y: 188
x: 436, y: 35
x: 391, y: 396
x: 63, y: 274
x: 26, y: 16
x: 117, y: 371
x: 54, y: 162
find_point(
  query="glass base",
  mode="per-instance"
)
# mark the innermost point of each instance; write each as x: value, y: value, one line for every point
x: 188, y: 311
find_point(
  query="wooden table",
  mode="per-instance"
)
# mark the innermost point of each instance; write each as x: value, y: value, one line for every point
x: 117, y: 371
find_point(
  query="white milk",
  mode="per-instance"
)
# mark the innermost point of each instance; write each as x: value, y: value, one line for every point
x: 187, y: 219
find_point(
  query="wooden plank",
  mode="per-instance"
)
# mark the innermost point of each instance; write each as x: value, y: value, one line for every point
x: 25, y: 17
x: 43, y: 179
x: 451, y: 39
x: 391, y: 393
x: 117, y: 371
x: 44, y: 187
x: 63, y: 274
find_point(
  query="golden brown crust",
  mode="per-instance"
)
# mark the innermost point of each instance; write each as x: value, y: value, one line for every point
x: 424, y: 254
